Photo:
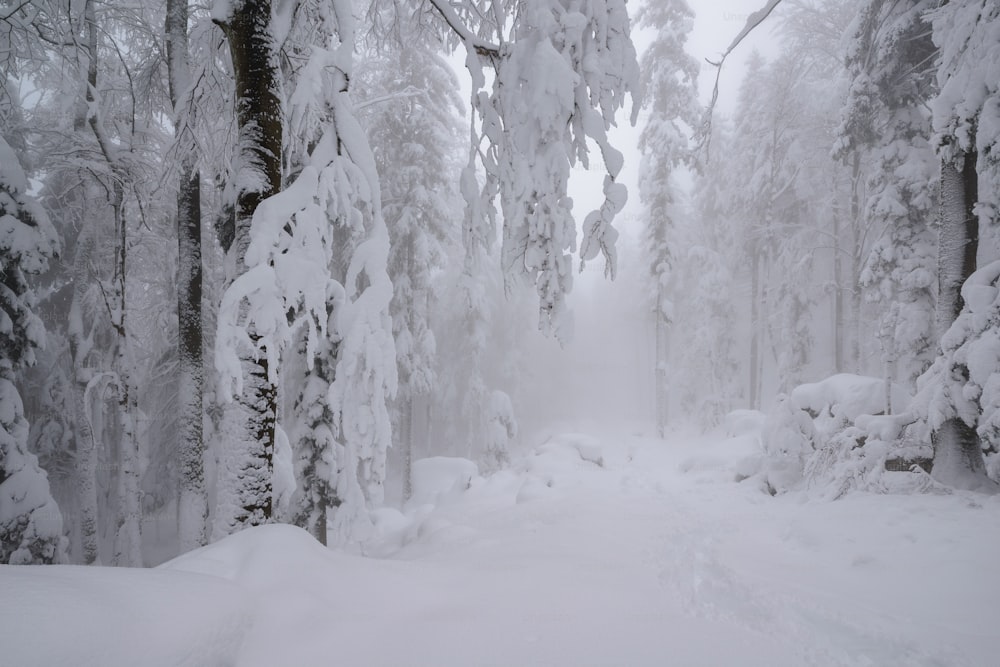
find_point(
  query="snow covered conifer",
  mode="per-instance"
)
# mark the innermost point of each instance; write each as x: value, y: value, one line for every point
x: 669, y: 76
x: 967, y: 122
x: 30, y: 521
x: 890, y: 68
x: 411, y: 117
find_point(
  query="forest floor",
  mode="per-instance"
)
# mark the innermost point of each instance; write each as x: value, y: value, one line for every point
x: 611, y: 549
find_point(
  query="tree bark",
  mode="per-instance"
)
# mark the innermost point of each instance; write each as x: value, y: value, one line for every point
x: 958, y: 237
x: 958, y: 455
x: 192, y: 503
x: 86, y: 445
x: 755, y: 297
x: 259, y: 117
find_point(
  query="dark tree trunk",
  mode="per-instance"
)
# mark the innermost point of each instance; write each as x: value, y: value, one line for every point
x: 259, y: 119
x: 192, y: 505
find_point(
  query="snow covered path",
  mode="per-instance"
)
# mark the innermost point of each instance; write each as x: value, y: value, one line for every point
x: 621, y: 550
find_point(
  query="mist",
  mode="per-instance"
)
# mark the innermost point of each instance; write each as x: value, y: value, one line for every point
x: 481, y: 332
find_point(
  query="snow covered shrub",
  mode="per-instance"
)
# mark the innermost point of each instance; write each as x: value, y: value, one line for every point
x: 788, y: 438
x: 501, y: 429
x: 964, y: 381
x: 830, y: 437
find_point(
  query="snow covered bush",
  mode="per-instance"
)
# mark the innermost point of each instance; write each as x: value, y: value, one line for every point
x: 30, y: 522
x: 788, y: 438
x: 501, y: 429
x: 830, y: 437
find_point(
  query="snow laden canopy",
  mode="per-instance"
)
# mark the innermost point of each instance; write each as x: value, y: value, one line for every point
x: 561, y: 70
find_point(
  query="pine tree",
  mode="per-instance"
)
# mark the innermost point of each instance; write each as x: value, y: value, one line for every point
x: 411, y: 119
x: 30, y: 521
x: 669, y: 76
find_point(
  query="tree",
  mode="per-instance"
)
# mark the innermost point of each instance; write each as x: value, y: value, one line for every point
x: 250, y: 431
x: 669, y: 76
x: 30, y: 521
x: 192, y: 503
x: 890, y: 66
x: 967, y: 122
x: 411, y: 116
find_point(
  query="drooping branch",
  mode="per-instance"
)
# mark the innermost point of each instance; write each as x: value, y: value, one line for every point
x: 753, y: 20
x: 469, y: 38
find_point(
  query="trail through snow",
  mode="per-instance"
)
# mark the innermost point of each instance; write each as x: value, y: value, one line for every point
x: 598, y: 549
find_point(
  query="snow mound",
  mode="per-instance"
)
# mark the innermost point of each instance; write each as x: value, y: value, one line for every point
x: 441, y: 478
x: 743, y: 422
x: 253, y: 557
x: 844, y: 395
x: 117, y: 617
x: 573, y: 447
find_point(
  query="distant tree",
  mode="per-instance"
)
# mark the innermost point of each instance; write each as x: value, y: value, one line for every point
x: 411, y: 116
x: 669, y: 76
x: 890, y: 64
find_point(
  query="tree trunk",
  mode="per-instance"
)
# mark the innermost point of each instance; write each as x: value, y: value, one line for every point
x: 86, y: 445
x: 856, y: 256
x: 406, y: 444
x: 754, y: 328
x: 128, y: 537
x: 662, y: 364
x: 192, y: 504
x: 259, y: 117
x: 958, y: 237
x: 838, y: 296
x: 958, y: 456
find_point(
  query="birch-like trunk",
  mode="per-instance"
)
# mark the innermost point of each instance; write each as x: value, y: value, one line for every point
x: 192, y: 503
x: 86, y: 445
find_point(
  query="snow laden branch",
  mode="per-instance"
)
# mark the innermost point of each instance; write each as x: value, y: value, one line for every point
x: 561, y: 71
x: 753, y: 20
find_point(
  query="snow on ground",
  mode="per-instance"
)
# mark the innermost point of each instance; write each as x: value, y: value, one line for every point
x: 596, y: 549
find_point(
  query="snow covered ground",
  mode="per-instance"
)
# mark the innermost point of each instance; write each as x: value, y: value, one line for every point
x: 598, y: 549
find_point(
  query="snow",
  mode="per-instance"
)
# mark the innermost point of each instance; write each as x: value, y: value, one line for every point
x: 656, y: 556
x: 844, y: 394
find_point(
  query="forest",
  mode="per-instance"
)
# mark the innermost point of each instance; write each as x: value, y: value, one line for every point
x: 297, y: 262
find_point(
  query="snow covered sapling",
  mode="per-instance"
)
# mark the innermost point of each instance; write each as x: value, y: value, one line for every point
x: 501, y: 429
x: 30, y: 521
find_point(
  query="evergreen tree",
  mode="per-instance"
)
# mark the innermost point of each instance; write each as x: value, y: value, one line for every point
x: 30, y: 521
x: 669, y: 77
